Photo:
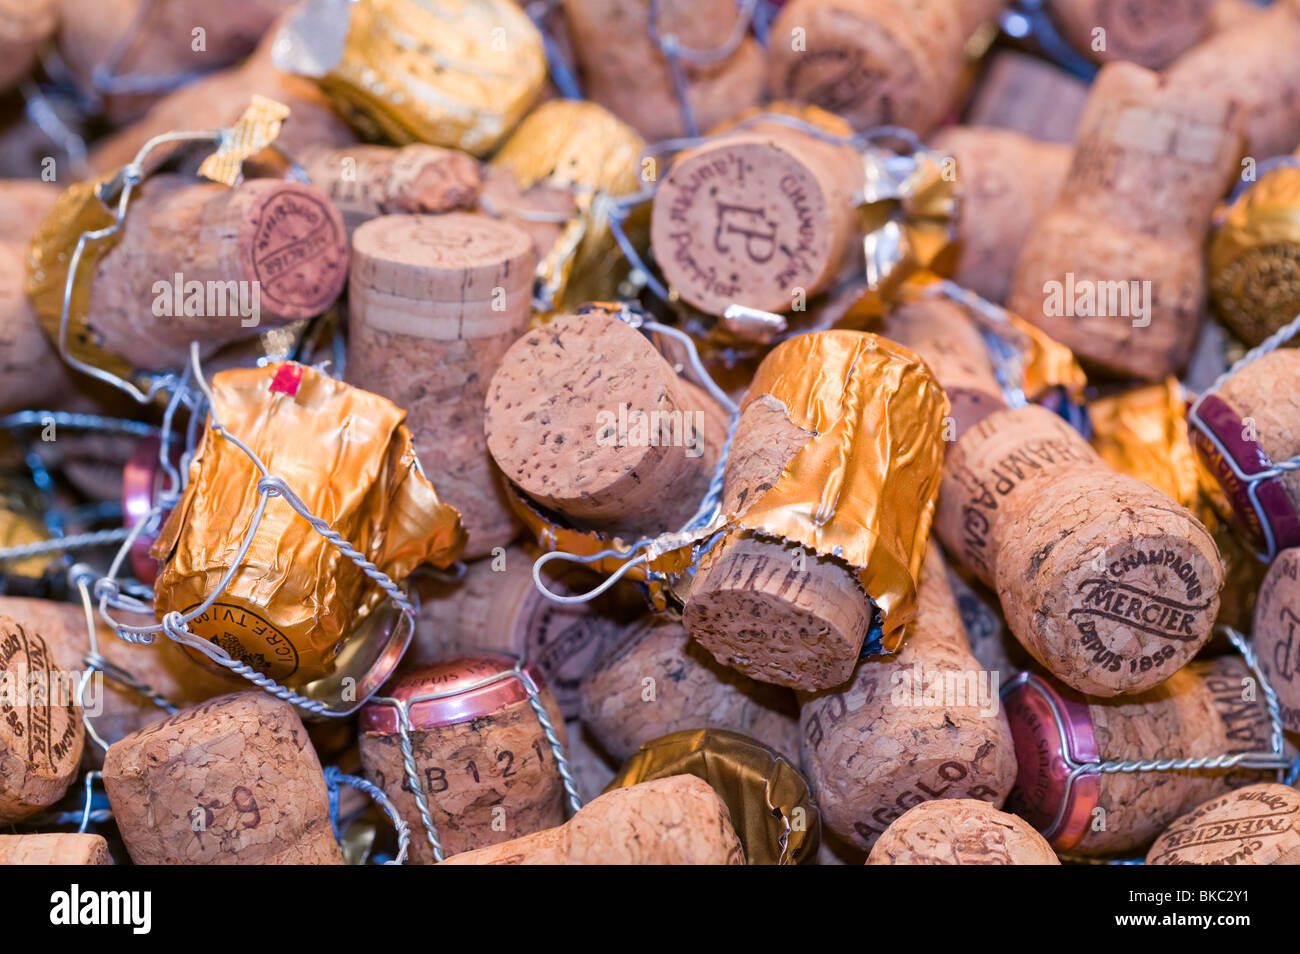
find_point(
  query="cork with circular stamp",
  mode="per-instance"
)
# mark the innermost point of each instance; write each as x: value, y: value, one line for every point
x: 41, y: 734
x: 587, y: 418
x: 232, y: 781
x: 1276, y: 633
x: 923, y: 724
x: 1256, y: 825
x: 678, y: 820
x: 481, y: 755
x: 812, y: 614
x: 656, y: 680
x: 1209, y: 708
x: 761, y: 217
x: 434, y: 303
x: 54, y: 848
x: 1151, y: 33
x: 960, y: 831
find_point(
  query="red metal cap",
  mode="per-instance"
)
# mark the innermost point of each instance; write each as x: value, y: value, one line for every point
x: 142, y: 479
x: 1052, y: 732
x: 464, y: 687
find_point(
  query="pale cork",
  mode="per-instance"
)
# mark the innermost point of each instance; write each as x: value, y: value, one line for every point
x: 284, y: 237
x: 1150, y: 33
x: 762, y: 218
x: 960, y: 831
x: 25, y: 25
x: 1006, y: 183
x: 553, y: 427
x: 486, y: 781
x: 656, y: 680
x: 239, y: 768
x: 894, y: 736
x: 1108, y: 583
x: 1276, y: 633
x: 1151, y: 161
x: 41, y: 734
x: 434, y: 302
x: 1265, y: 397
x: 763, y: 607
x: 678, y: 820
x: 1255, y: 63
x: 56, y: 848
x: 1025, y: 94
x: 365, y: 182
x: 1256, y: 825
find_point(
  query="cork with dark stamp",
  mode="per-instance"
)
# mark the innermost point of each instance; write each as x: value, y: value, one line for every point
x: 960, y: 831
x: 55, y: 848
x: 922, y: 724
x: 1276, y: 634
x: 447, y: 292
x: 41, y: 734
x: 678, y: 820
x: 1256, y: 825
x: 656, y: 680
x: 232, y: 781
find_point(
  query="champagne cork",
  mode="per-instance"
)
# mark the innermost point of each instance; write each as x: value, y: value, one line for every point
x: 593, y: 769
x: 1256, y: 825
x: 960, y: 831
x: 1255, y: 419
x: 59, y: 848
x: 24, y: 26
x: 656, y: 680
x: 198, y: 261
x: 1150, y: 33
x: 234, y: 781
x: 1255, y: 63
x: 365, y: 182
x: 1207, y: 709
x: 1276, y: 633
x: 1024, y: 94
x: 496, y: 607
x: 449, y: 292
x: 624, y: 70
x: 814, y: 613
x: 991, y: 641
x: 1116, y: 270
x: 875, y: 62
x: 678, y: 820
x: 1007, y: 182
x: 760, y: 218
x: 923, y: 724
x: 41, y: 735
x: 481, y: 755
x: 587, y: 418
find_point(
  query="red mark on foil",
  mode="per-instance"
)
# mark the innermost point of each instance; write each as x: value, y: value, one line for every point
x: 287, y: 380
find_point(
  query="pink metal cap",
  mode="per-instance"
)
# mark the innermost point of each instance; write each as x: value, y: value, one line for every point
x: 465, y: 690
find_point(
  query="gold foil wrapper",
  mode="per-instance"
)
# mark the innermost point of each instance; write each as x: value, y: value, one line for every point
x: 295, y: 599
x: 256, y: 129
x: 582, y: 148
x: 17, y: 530
x: 456, y: 73
x: 1254, y: 259
x: 771, y: 806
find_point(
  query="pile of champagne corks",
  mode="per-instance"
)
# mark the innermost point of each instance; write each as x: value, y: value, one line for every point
x: 712, y: 584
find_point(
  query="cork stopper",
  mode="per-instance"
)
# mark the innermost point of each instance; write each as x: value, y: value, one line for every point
x: 232, y: 781
x: 925, y: 723
x: 1276, y: 634
x: 678, y: 820
x: 1106, y: 581
x: 960, y: 831
x: 657, y: 680
x: 57, y: 848
x: 449, y: 292
x: 480, y: 753
x: 1256, y: 825
x: 754, y: 218
x: 41, y: 734
x: 1151, y: 33
x: 1022, y: 93
x: 1264, y: 395
x: 587, y: 418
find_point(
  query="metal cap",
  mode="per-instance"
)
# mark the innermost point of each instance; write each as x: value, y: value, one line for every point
x: 462, y: 689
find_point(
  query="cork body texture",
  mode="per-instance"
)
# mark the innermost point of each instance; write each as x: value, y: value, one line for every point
x: 960, y: 831
x: 1277, y: 633
x: 61, y: 848
x: 1256, y: 825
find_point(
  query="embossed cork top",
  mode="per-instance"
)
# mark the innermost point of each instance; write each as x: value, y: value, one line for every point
x: 1258, y: 825
x: 960, y: 831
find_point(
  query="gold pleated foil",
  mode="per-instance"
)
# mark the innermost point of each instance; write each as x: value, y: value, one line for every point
x: 295, y: 599
x: 17, y: 530
x: 582, y: 148
x: 457, y: 73
x: 771, y: 806
x: 1254, y: 260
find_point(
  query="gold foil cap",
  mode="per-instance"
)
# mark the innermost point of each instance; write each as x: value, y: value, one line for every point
x: 771, y: 806
x: 1254, y: 260
x: 456, y: 73
x: 295, y: 601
